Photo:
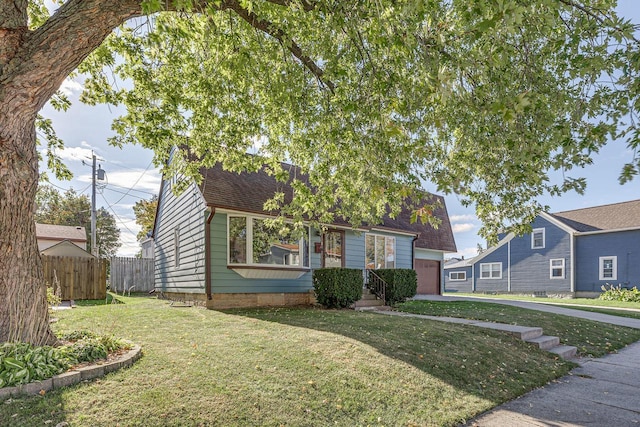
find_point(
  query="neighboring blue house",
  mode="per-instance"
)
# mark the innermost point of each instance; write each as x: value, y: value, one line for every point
x: 574, y: 252
x: 212, y: 245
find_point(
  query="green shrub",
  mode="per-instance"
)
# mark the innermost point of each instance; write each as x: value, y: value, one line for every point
x: 402, y: 283
x: 618, y: 293
x: 337, y: 287
x: 53, y: 297
x: 21, y: 363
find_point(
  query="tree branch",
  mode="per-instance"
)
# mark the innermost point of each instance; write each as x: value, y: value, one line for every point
x: 600, y: 19
x: 268, y: 28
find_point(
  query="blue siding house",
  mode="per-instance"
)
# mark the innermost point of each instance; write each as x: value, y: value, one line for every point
x: 573, y: 252
x: 213, y: 247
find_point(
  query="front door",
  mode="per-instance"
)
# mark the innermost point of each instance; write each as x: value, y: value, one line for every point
x: 428, y: 273
x: 333, y: 249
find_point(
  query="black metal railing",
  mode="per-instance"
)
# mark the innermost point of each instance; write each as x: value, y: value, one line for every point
x: 377, y: 285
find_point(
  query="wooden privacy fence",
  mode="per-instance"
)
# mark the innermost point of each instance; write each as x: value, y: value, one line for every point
x: 131, y: 274
x: 77, y: 277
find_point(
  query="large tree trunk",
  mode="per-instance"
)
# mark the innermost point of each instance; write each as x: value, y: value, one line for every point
x: 23, y: 307
x: 33, y: 64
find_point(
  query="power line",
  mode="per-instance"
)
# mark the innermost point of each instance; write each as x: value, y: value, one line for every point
x: 116, y: 215
x: 135, y: 183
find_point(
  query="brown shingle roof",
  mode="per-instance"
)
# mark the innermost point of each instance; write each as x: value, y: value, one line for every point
x: 247, y: 192
x: 61, y: 232
x: 607, y: 217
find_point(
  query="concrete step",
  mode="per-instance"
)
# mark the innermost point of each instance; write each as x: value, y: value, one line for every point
x: 545, y: 342
x: 564, y: 351
x: 374, y: 308
x: 369, y: 303
x: 523, y: 332
x: 368, y: 296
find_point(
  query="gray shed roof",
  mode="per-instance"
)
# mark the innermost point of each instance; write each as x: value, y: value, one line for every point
x: 61, y: 232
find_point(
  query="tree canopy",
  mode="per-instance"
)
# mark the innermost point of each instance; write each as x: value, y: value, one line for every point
x: 145, y: 212
x: 375, y: 99
x: 71, y: 208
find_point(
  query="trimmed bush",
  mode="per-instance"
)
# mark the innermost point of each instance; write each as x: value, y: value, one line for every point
x: 618, y: 293
x: 402, y: 283
x: 337, y: 287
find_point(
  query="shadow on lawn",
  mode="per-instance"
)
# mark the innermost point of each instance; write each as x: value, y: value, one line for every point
x: 489, y: 364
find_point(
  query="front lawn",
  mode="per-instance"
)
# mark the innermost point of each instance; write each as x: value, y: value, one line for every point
x: 288, y: 367
x: 593, y: 339
x: 549, y: 300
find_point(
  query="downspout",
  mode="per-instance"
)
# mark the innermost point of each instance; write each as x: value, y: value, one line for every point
x: 207, y: 253
x: 509, y: 266
x: 572, y: 276
x: 413, y: 252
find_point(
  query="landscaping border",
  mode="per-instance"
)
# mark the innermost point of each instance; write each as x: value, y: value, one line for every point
x: 73, y: 376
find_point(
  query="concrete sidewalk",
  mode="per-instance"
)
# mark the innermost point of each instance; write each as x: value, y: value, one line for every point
x: 600, y: 392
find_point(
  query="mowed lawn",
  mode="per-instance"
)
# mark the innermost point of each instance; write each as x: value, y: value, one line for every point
x: 292, y: 367
x: 593, y: 339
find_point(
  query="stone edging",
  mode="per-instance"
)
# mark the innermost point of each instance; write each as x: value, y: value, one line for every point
x: 73, y: 376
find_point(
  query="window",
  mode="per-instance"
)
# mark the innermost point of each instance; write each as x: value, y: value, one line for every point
x: 252, y: 242
x: 556, y: 268
x: 457, y: 275
x: 333, y: 253
x: 608, y: 268
x: 491, y: 270
x: 537, y: 238
x: 380, y: 251
x: 176, y: 247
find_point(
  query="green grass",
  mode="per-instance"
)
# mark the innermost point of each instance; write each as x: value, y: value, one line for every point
x: 593, y: 339
x: 290, y: 367
x: 617, y: 312
x: 110, y: 299
x: 563, y: 301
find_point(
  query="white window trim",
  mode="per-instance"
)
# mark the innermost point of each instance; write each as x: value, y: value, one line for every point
x: 464, y: 273
x: 395, y: 253
x: 490, y: 264
x: 551, y: 268
x: 614, y: 268
x: 249, y: 242
x: 176, y: 247
x: 533, y: 232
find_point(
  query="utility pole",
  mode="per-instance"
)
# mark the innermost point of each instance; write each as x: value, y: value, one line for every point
x: 94, y: 246
x: 95, y: 174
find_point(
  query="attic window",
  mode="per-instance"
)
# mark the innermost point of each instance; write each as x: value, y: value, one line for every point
x: 537, y: 238
x: 252, y: 243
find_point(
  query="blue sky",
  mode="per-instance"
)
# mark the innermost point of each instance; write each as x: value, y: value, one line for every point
x: 132, y: 177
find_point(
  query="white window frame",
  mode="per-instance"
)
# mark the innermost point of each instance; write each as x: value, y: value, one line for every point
x: 395, y: 248
x: 614, y: 267
x: 249, y: 242
x: 458, y: 273
x: 552, y: 267
x: 176, y: 247
x: 533, y: 234
x: 491, y: 270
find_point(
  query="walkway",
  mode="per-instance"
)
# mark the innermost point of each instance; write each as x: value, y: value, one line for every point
x: 600, y: 392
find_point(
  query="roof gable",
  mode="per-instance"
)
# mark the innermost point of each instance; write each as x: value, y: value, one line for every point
x: 248, y: 191
x: 614, y: 216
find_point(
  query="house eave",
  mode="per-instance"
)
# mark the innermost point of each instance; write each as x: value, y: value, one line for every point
x: 617, y: 230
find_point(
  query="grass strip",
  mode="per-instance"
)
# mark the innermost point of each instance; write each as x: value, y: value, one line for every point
x: 593, y: 339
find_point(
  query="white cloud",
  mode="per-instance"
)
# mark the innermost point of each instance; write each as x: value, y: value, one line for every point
x: 462, y: 228
x: 466, y: 253
x: 75, y: 154
x: 458, y: 218
x: 71, y: 87
x: 138, y: 179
